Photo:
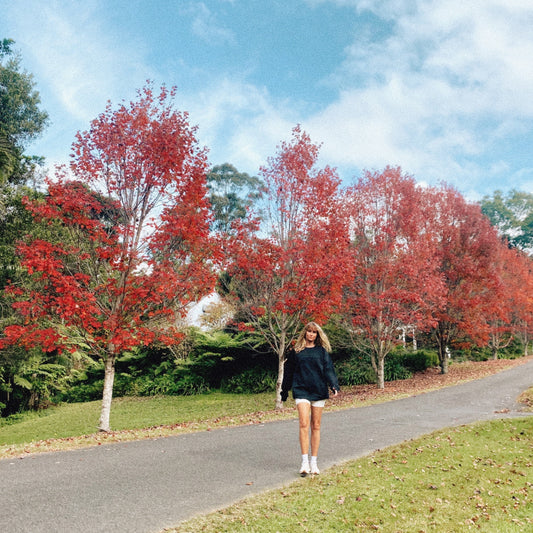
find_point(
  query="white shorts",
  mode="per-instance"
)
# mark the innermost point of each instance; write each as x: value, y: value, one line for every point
x: 318, y: 403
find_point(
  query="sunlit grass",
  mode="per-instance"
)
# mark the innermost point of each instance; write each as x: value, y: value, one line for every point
x: 477, y: 477
x: 74, y: 420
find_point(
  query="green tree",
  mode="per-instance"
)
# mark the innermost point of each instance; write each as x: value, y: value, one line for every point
x: 231, y: 193
x: 512, y: 215
x: 21, y: 119
x: 15, y: 222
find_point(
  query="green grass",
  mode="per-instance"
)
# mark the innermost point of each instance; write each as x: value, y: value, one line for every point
x: 472, y: 478
x: 74, y: 420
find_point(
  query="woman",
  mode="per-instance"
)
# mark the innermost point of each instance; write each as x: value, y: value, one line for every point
x: 309, y: 373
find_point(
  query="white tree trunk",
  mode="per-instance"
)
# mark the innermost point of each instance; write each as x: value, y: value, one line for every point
x: 381, y: 372
x: 107, y: 396
x: 281, y: 370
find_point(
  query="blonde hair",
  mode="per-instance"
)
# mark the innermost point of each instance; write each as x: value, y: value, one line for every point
x: 321, y: 338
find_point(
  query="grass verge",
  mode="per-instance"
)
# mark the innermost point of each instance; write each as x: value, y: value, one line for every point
x: 73, y: 425
x: 476, y: 477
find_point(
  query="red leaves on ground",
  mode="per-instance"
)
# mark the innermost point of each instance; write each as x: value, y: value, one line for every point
x: 430, y: 379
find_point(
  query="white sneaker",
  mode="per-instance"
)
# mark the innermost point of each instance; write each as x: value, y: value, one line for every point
x: 304, y: 469
x: 314, y: 470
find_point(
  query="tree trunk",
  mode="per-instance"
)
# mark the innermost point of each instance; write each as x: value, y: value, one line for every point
x: 443, y: 358
x: 443, y: 352
x: 281, y: 368
x: 107, y: 396
x: 381, y: 372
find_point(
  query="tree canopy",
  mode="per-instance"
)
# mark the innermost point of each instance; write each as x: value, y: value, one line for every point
x: 231, y: 194
x: 21, y: 119
x: 512, y: 215
x: 137, y: 249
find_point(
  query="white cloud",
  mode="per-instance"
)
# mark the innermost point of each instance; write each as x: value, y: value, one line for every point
x: 79, y: 65
x: 77, y: 57
x: 240, y: 122
x: 441, y: 88
x: 205, y: 26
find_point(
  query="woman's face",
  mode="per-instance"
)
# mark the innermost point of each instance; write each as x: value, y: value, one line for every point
x: 310, y: 335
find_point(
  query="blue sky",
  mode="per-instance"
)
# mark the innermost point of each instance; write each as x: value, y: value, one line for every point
x: 442, y: 88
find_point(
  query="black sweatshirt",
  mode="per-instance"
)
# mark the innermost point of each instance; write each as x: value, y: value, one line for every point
x: 309, y: 373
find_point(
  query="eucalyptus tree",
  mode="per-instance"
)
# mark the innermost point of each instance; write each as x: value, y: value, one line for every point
x: 231, y: 194
x: 512, y: 215
x: 21, y: 118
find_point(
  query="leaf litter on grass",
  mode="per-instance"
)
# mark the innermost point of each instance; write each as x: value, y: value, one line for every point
x: 474, y: 477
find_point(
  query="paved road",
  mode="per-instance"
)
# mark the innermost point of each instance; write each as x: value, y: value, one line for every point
x: 148, y: 485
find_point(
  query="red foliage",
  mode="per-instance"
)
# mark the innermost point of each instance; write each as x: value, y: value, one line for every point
x: 136, y: 248
x: 512, y: 314
x: 300, y: 267
x: 466, y: 246
x: 293, y: 268
x: 396, y: 279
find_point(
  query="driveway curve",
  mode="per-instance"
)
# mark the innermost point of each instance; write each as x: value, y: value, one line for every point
x: 145, y: 486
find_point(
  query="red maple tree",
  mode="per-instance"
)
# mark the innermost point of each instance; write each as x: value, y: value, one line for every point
x: 396, y: 280
x: 499, y: 316
x: 466, y: 247
x: 514, y: 309
x: 137, y: 250
x: 291, y: 268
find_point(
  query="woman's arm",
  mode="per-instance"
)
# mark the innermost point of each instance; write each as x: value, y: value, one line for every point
x: 288, y: 373
x: 329, y: 372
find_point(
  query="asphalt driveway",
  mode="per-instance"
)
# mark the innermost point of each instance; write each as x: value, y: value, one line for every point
x: 147, y: 485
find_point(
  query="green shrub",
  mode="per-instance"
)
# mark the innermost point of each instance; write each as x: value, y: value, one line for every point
x: 513, y: 351
x: 394, y: 370
x: 178, y: 382
x: 355, y: 371
x: 420, y: 360
x: 140, y: 386
x: 189, y: 385
x: 477, y: 353
x: 82, y: 392
x: 252, y: 381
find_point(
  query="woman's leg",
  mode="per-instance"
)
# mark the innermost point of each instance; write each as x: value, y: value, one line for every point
x: 316, y: 420
x: 304, y: 412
